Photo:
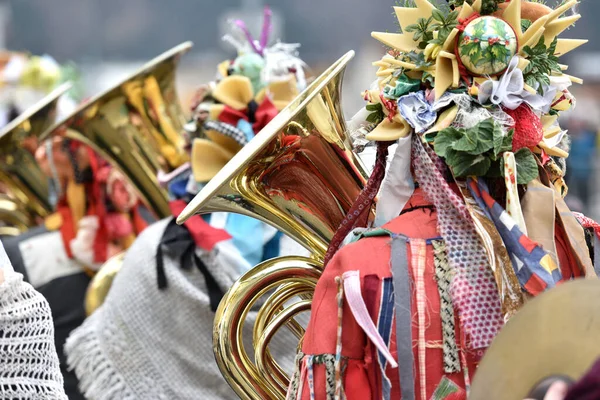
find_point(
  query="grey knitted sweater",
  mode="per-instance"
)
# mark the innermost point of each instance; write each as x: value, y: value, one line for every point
x: 145, y: 343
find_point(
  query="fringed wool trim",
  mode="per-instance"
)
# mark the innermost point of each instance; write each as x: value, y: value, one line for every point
x: 98, y: 378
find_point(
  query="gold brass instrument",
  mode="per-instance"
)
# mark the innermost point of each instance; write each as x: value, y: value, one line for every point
x: 100, y: 285
x: 300, y: 175
x: 13, y: 216
x: 26, y: 196
x: 137, y: 127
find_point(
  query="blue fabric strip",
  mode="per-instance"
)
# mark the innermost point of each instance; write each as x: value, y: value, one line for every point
x: 384, y: 326
x: 402, y: 300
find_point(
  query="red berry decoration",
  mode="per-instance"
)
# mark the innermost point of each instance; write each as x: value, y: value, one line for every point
x: 528, y: 127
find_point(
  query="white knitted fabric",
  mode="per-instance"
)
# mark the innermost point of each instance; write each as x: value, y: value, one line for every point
x: 147, y: 344
x: 29, y: 368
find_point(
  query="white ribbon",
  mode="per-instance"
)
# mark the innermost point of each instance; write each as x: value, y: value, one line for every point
x: 509, y: 91
x: 398, y: 185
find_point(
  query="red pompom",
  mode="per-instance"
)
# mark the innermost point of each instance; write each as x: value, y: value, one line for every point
x: 528, y: 127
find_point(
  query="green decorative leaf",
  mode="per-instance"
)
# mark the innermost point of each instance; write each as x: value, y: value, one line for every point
x: 445, y: 140
x: 464, y: 165
x: 527, y: 168
x: 542, y: 64
x: 502, y: 142
x: 473, y: 151
x: 477, y: 140
x: 377, y: 115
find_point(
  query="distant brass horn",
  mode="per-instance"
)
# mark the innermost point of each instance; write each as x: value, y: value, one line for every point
x: 137, y: 126
x: 300, y: 175
x: 25, y: 184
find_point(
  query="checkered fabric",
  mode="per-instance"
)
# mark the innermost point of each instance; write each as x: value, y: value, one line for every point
x: 227, y: 130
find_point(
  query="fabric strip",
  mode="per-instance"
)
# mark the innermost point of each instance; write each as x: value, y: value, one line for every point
x: 384, y: 326
x: 418, y: 248
x: 402, y: 299
x: 443, y: 278
x: 474, y: 289
x: 353, y: 293
x: 398, y: 185
x: 513, y: 203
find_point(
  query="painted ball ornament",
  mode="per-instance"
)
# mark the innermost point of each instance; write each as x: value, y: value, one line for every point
x: 487, y: 45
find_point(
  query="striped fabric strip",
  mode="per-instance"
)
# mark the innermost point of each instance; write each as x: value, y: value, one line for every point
x: 418, y: 249
x: 384, y: 326
x: 443, y: 277
x: 534, y: 267
x: 402, y: 302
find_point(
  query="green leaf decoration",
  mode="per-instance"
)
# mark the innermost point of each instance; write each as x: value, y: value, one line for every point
x: 445, y: 140
x: 404, y: 85
x: 476, y: 140
x: 502, y: 142
x: 527, y: 168
x: 377, y: 115
x: 542, y: 63
x: 464, y: 165
x: 421, y: 31
x: 475, y: 151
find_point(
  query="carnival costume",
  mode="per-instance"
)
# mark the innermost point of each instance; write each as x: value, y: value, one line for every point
x: 151, y: 338
x: 470, y: 219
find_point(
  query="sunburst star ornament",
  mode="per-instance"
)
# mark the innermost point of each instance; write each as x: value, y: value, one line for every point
x: 446, y: 66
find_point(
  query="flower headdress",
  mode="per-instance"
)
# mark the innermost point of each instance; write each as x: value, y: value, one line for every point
x: 484, y: 69
x: 250, y: 90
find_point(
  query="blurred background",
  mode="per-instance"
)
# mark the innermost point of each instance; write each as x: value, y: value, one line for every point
x: 109, y: 39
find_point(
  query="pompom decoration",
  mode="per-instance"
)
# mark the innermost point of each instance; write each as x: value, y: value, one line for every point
x: 528, y: 127
x: 487, y: 45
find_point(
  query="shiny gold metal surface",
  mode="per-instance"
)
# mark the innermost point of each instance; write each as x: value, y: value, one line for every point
x: 136, y: 126
x: 100, y: 285
x: 25, y: 185
x: 555, y: 334
x: 289, y: 277
x: 298, y: 174
x: 14, y: 218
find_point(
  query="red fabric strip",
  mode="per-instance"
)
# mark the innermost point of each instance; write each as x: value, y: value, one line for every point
x: 205, y: 236
x: 358, y: 215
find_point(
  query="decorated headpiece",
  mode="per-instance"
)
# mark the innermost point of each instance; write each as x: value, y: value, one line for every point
x: 488, y: 70
x: 250, y: 90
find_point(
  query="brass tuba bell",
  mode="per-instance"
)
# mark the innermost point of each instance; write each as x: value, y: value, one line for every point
x: 136, y: 126
x: 26, y: 194
x: 300, y: 175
